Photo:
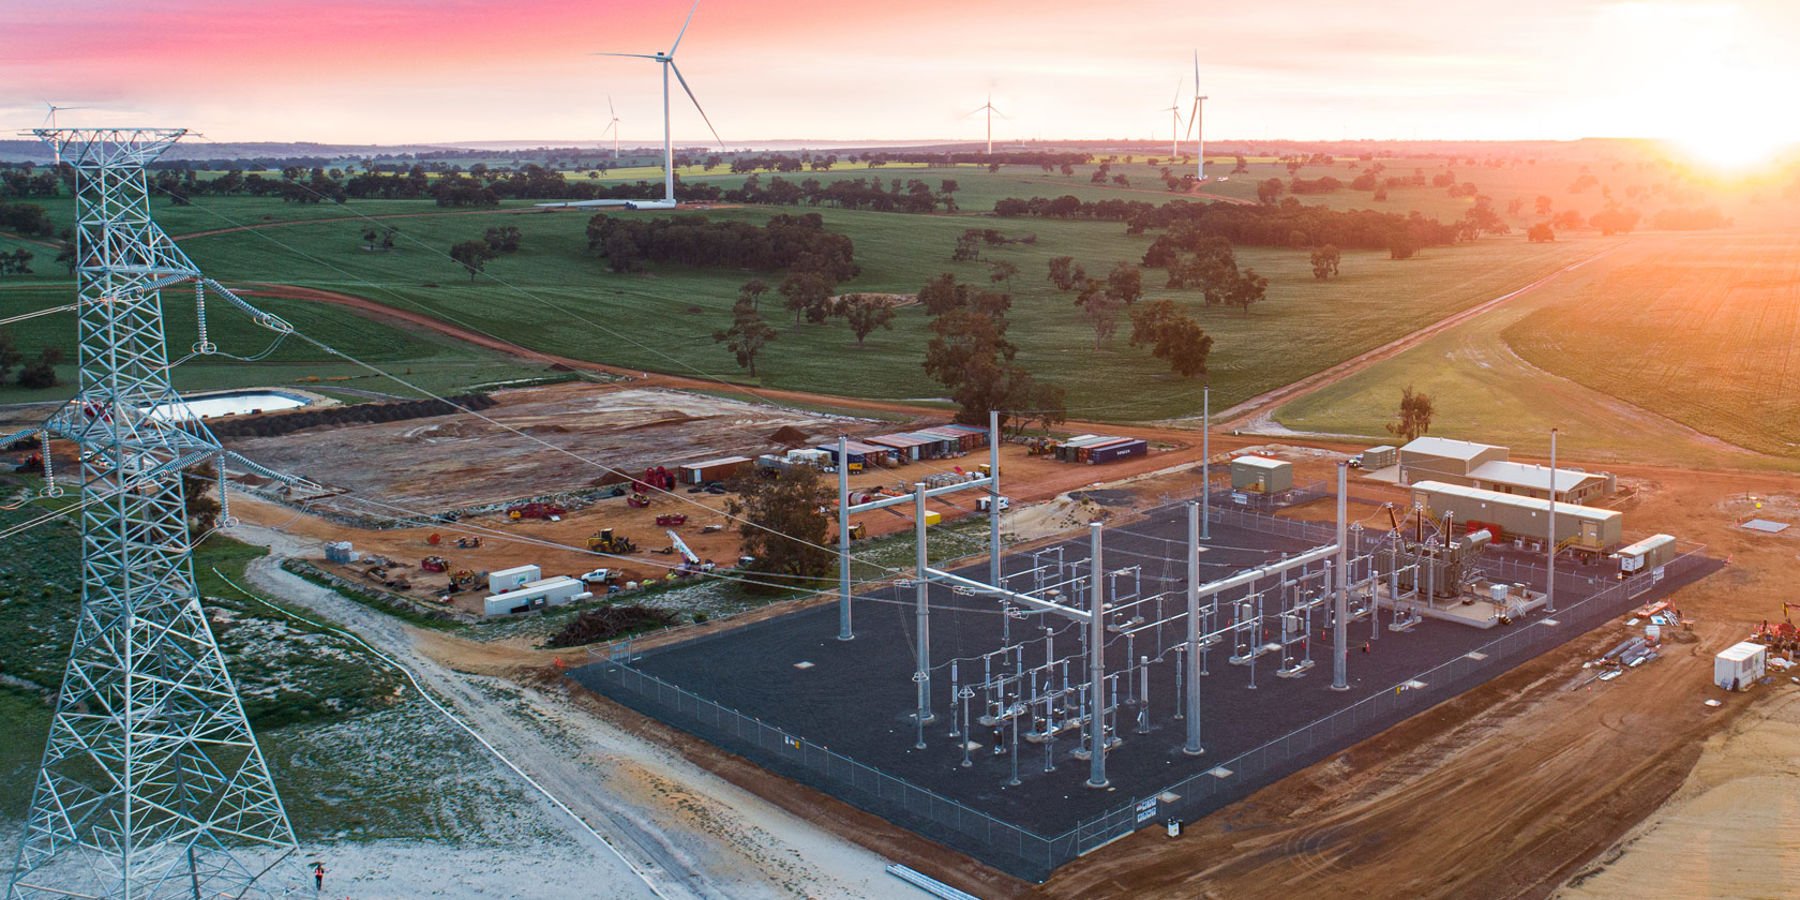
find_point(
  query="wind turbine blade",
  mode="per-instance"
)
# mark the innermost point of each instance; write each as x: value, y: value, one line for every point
x: 609, y: 127
x: 609, y: 108
x: 998, y: 112
x: 690, y: 92
x: 1192, y: 118
x: 632, y: 55
x: 684, y: 27
x: 977, y: 109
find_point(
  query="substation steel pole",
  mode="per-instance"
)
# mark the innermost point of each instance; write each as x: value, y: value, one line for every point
x: 1097, y: 665
x: 922, y: 589
x: 1206, y: 462
x: 1192, y: 662
x: 994, y: 510
x: 843, y: 460
x: 1340, y: 625
x: 1550, y: 562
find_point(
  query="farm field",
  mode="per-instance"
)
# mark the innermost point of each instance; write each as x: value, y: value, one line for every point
x: 662, y: 320
x: 1701, y: 328
x: 1540, y: 361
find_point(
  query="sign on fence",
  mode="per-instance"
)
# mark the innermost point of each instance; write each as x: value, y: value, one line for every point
x: 1146, y: 810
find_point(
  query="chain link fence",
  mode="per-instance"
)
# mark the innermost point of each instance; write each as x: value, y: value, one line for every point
x: 1033, y: 856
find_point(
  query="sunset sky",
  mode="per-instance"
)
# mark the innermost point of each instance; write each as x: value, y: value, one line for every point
x: 394, y: 71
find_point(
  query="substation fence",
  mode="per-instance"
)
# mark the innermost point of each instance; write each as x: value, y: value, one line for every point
x: 1002, y: 844
x: 1030, y: 855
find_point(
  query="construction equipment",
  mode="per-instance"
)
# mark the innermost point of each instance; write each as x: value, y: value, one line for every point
x: 462, y: 580
x: 605, y: 541
x: 468, y: 542
x: 858, y: 531
x: 434, y: 564
x: 535, y: 510
x: 637, y: 501
x: 670, y: 520
x: 682, y: 548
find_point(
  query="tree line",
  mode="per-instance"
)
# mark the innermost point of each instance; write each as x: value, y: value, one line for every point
x: 798, y: 243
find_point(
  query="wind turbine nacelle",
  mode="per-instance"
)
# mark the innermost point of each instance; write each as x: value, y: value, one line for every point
x: 651, y: 204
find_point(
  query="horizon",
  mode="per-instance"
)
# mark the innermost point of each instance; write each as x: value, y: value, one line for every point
x: 1539, y: 71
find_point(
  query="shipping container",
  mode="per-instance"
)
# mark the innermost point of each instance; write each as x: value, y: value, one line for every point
x: 979, y: 434
x: 721, y: 469
x: 512, y: 579
x: 1070, y: 450
x: 556, y: 591
x: 1380, y: 457
x: 1115, y: 452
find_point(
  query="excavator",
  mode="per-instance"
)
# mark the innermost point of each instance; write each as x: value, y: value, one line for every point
x: 605, y: 541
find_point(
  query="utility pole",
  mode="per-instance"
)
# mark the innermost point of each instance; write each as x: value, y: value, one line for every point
x: 1550, y: 561
x: 843, y: 473
x: 922, y: 601
x: 1097, y: 664
x: 1192, y: 660
x: 1206, y: 462
x: 1340, y: 626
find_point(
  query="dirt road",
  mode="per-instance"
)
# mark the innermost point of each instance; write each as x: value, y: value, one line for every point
x: 1261, y: 406
x: 692, y: 834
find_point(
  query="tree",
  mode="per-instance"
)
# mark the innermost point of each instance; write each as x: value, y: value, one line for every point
x: 1125, y: 284
x: 970, y: 356
x: 1613, y: 220
x: 864, y: 313
x: 9, y: 353
x: 1171, y: 336
x: 806, y: 294
x: 1101, y: 310
x: 473, y: 255
x: 198, y: 503
x: 1002, y: 272
x: 369, y: 238
x: 968, y: 246
x: 1414, y: 418
x: 1267, y: 191
x: 1325, y: 261
x: 785, y: 526
x: 752, y: 292
x: 1540, y: 233
x: 65, y: 253
x: 503, y: 240
x: 1065, y: 273
x: 1247, y: 289
x: 748, y: 333
x: 1402, y: 244
x: 942, y: 294
x: 41, y: 373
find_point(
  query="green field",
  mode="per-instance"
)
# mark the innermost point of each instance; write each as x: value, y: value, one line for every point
x: 1650, y: 354
x: 556, y: 296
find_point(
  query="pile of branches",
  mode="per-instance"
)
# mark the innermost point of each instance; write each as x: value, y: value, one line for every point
x: 609, y: 622
x: 275, y: 424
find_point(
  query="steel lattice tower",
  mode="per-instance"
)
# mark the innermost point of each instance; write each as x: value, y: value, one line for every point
x: 152, y: 784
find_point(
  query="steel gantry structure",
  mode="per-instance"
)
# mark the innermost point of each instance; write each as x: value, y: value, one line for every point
x: 151, y: 784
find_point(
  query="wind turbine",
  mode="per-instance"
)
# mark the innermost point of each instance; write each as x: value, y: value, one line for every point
x: 988, y: 107
x: 612, y: 126
x: 667, y: 61
x: 1174, y: 111
x: 1197, y: 127
x: 50, y: 121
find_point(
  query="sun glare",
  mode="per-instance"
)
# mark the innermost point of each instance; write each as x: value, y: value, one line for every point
x: 1731, y: 148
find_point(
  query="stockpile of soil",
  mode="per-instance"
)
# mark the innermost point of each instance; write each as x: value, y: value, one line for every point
x: 788, y: 435
x: 609, y: 622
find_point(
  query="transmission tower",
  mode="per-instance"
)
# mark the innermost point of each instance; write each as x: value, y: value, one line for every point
x: 152, y: 784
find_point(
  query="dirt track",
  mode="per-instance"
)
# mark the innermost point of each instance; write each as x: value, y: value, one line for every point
x: 1262, y: 405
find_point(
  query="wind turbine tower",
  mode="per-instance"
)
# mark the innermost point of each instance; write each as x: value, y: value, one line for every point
x: 1174, y: 111
x: 612, y: 126
x: 667, y: 61
x: 988, y: 107
x: 1197, y: 124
